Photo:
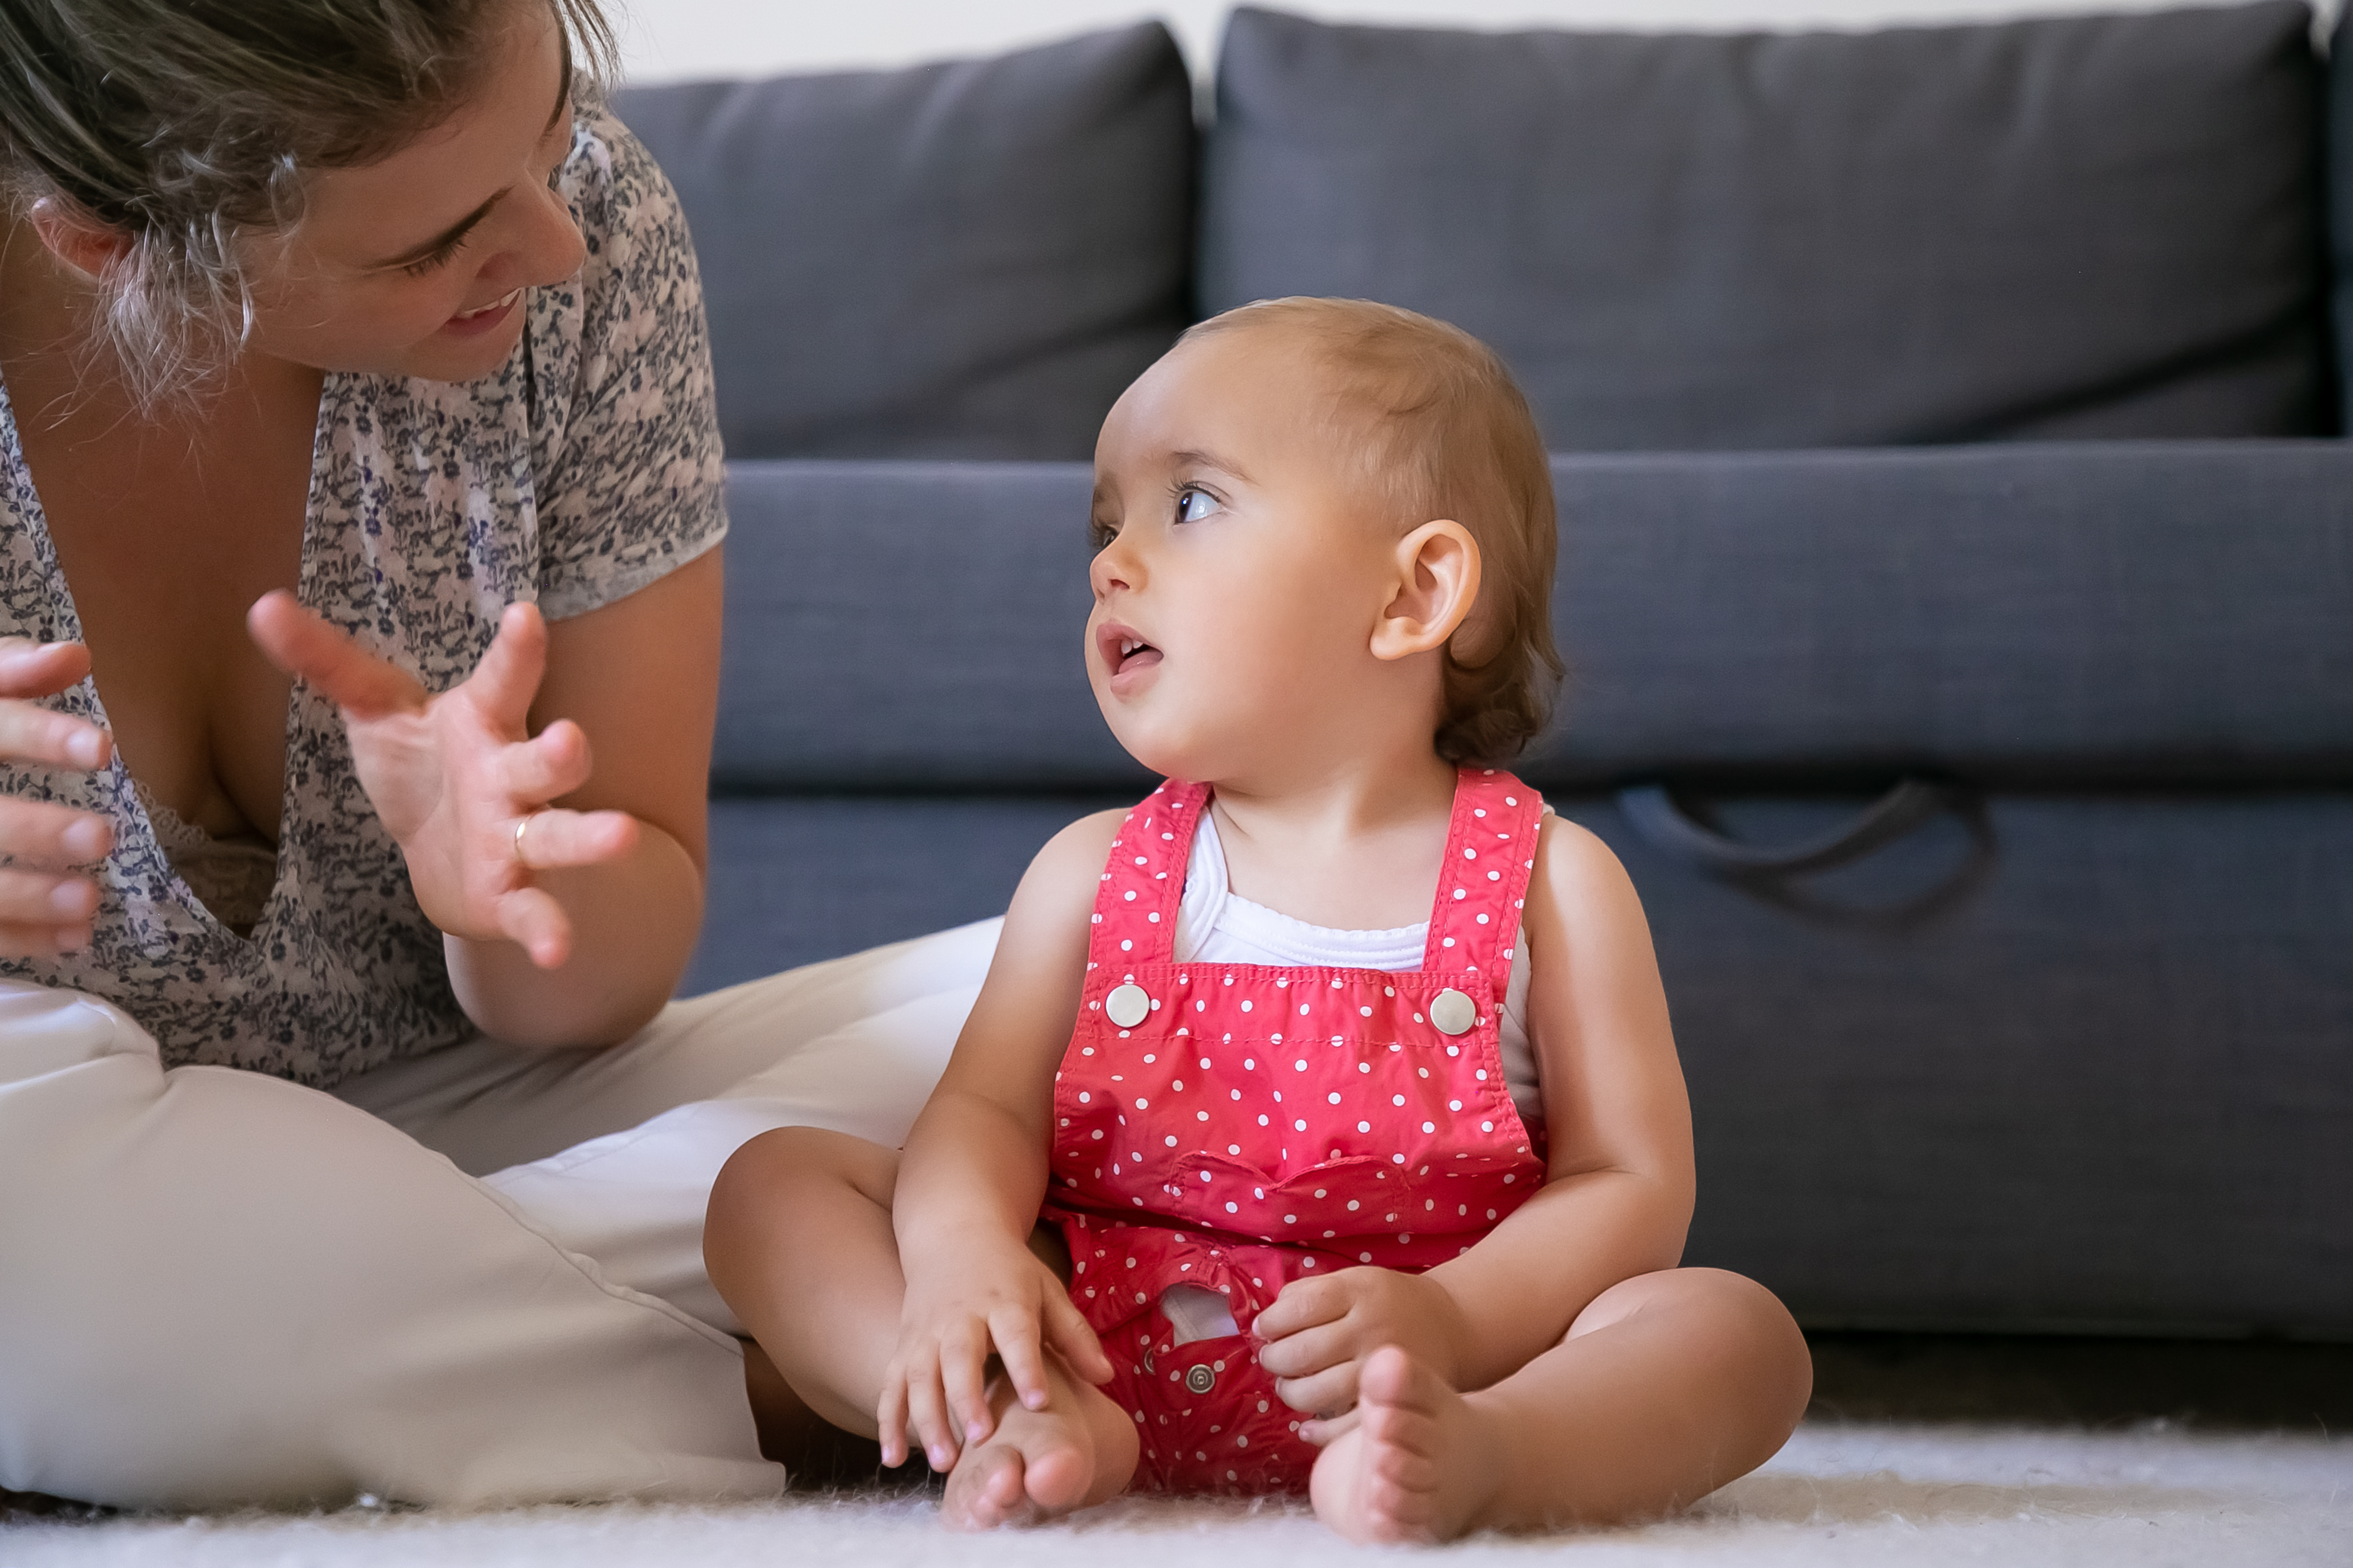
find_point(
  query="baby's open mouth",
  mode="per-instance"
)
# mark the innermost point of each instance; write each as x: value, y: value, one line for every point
x: 1123, y: 651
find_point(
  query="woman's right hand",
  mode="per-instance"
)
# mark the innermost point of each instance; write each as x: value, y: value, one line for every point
x: 997, y: 1298
x: 46, y: 910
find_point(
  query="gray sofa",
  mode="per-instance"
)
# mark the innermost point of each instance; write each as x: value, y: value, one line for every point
x: 1956, y: 568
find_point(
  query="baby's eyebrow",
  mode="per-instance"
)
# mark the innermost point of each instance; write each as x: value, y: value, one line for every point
x: 1200, y: 459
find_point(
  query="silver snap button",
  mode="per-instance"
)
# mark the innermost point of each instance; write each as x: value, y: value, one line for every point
x: 1128, y: 1005
x: 1452, y: 1011
x: 1200, y: 1380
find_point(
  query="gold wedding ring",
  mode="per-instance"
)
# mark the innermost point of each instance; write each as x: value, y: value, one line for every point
x: 522, y: 822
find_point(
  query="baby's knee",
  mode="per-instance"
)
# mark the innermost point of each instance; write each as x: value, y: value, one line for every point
x: 789, y: 1170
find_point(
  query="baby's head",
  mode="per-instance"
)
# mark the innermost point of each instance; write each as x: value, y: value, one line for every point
x: 1328, y: 523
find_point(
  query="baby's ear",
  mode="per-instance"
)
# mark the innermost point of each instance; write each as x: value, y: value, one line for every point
x: 1437, y: 589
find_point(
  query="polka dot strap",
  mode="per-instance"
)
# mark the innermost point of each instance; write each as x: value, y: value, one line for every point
x: 1491, y: 853
x: 1144, y: 880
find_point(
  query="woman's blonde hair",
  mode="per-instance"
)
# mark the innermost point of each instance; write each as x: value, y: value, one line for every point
x: 1436, y: 428
x: 188, y: 126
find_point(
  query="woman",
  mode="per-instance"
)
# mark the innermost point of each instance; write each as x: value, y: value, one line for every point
x: 362, y: 502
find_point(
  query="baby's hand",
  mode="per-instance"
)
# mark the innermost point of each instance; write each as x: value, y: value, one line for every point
x: 1317, y: 1333
x: 998, y: 1299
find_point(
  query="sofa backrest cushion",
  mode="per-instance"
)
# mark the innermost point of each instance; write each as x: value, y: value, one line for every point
x: 970, y: 259
x: 2340, y: 201
x: 2050, y: 613
x: 2066, y: 227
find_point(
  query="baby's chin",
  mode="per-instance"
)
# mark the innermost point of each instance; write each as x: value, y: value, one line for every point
x: 1194, y: 753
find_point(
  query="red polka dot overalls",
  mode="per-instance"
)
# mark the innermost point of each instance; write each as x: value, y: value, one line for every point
x: 1236, y: 1127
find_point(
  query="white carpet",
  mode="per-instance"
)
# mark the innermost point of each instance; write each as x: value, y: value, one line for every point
x: 2152, y: 1497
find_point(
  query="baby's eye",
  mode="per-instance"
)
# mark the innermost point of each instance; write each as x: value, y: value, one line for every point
x: 1193, y: 505
x: 1100, y: 531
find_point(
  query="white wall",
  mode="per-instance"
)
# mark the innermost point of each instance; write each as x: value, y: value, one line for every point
x: 670, y: 40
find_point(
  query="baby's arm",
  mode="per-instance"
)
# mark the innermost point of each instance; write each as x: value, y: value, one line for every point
x: 1617, y: 1196
x: 975, y: 1170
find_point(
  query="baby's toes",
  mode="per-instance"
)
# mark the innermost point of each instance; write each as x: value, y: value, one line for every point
x: 987, y: 1490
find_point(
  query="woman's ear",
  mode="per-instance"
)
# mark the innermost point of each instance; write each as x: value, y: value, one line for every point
x: 83, y: 244
x: 1437, y: 586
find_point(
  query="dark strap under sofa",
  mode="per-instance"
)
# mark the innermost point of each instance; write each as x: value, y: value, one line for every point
x: 1957, y: 567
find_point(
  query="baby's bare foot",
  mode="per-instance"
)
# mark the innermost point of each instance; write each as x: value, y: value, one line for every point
x: 1077, y: 1451
x: 1419, y: 1464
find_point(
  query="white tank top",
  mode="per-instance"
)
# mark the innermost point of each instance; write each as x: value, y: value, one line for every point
x: 1214, y: 925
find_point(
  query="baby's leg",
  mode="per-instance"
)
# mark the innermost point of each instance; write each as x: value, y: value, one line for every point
x: 1667, y: 1386
x: 800, y: 1243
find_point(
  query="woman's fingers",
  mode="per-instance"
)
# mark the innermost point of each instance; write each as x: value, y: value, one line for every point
x: 553, y: 839
x: 30, y: 734
x: 551, y: 764
x: 535, y: 922
x: 49, y: 837
x: 30, y: 668
x: 508, y: 678
x: 300, y: 644
x: 42, y: 941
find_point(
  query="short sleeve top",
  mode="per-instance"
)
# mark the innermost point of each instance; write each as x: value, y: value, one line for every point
x: 586, y: 469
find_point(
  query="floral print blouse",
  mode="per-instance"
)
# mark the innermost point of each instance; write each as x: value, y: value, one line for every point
x: 586, y: 469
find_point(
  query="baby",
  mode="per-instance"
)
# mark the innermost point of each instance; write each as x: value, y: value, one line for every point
x: 1319, y: 1126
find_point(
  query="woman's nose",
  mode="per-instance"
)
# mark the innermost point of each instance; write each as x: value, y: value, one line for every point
x: 543, y: 248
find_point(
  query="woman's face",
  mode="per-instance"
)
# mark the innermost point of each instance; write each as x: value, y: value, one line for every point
x: 416, y: 265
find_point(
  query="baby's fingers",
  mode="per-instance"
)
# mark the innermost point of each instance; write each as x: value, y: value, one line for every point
x: 927, y: 1408
x: 891, y: 1420
x: 964, y: 1372
x: 1329, y: 1393
x: 1018, y: 1346
x: 1304, y: 1304
x: 1069, y: 1331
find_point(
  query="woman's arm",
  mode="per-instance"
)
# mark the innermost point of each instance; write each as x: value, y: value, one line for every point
x: 640, y: 678
x: 573, y: 930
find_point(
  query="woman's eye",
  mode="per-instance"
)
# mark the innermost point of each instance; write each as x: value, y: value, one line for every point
x: 1193, y: 505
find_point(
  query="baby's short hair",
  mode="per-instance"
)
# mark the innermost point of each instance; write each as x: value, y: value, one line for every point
x: 1436, y: 428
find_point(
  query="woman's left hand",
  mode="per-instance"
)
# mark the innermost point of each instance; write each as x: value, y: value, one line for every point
x: 1314, y: 1337
x: 458, y: 778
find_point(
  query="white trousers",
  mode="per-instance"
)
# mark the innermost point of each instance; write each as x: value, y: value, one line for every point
x: 474, y: 1278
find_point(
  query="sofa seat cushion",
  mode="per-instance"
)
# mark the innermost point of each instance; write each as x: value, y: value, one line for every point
x: 970, y: 259
x: 2086, y: 227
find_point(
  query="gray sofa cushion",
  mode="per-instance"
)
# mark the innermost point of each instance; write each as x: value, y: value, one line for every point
x: 2074, y: 227
x: 970, y: 259
x: 2122, y: 1016
x: 2340, y: 201
x: 2009, y: 613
